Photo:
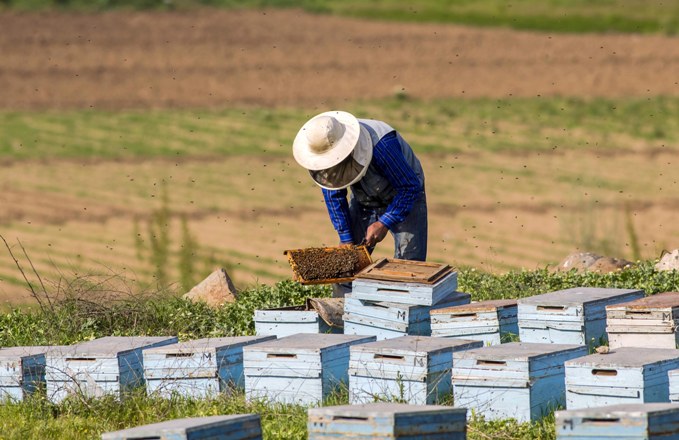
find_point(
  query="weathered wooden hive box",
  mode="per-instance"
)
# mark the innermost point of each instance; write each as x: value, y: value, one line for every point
x: 405, y: 282
x: 649, y: 322
x: 514, y: 380
x: 109, y: 365
x: 648, y: 421
x: 571, y: 316
x: 410, y: 369
x: 231, y: 427
x: 624, y: 375
x: 198, y: 368
x: 391, y: 320
x: 492, y: 322
x: 383, y: 420
x: 22, y: 371
x: 303, y: 368
x: 673, y: 377
x: 313, y: 317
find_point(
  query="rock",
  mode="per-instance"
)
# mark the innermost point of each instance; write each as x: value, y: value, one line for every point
x: 604, y: 349
x: 668, y: 261
x: 579, y: 261
x: 608, y: 264
x: 588, y: 261
x: 215, y: 290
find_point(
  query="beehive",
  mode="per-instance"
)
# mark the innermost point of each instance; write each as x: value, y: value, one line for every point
x: 650, y: 322
x: 390, y: 320
x: 317, y: 315
x: 410, y: 369
x: 387, y: 421
x: 650, y: 421
x: 673, y: 378
x: 22, y: 371
x: 571, y: 316
x: 231, y: 427
x: 514, y: 380
x: 624, y: 375
x: 405, y: 282
x: 110, y: 365
x: 302, y: 368
x: 198, y: 368
x: 492, y: 322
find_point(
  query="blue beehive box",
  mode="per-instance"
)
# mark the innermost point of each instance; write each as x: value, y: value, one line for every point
x: 303, y: 368
x: 489, y: 321
x: 649, y: 421
x: 22, y: 371
x: 383, y: 420
x: 405, y: 282
x: 570, y: 316
x: 109, y: 365
x: 231, y: 427
x: 516, y: 380
x: 624, y: 375
x: 198, y: 368
x: 410, y: 369
x: 286, y: 321
x: 391, y: 320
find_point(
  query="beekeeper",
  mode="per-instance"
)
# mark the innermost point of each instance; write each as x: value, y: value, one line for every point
x: 384, y: 175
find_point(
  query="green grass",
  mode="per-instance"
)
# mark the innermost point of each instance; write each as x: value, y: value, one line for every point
x: 74, y: 320
x: 453, y: 125
x: 639, y: 16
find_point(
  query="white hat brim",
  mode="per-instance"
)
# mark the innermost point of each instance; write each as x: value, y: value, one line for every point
x: 342, y: 148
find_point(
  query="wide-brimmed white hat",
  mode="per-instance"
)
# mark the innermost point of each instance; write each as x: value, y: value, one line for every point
x: 335, y: 148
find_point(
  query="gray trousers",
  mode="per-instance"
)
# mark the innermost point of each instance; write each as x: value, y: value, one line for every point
x: 410, y: 236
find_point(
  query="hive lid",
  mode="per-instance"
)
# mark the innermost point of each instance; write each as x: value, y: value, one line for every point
x: 620, y: 410
x: 481, y: 306
x: 205, y: 343
x: 308, y: 341
x: 179, y: 426
x: 577, y: 296
x: 15, y: 352
x: 387, y: 269
x: 517, y: 351
x: 627, y: 357
x: 381, y: 409
x: 417, y: 344
x: 657, y: 301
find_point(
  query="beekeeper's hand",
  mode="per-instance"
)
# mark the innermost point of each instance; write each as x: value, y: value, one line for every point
x: 375, y: 233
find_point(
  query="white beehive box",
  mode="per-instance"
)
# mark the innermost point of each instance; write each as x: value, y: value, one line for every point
x: 109, y: 365
x: 489, y: 321
x: 419, y: 294
x: 649, y: 421
x: 198, y: 368
x: 649, y: 322
x: 624, y: 375
x: 22, y: 371
x: 383, y: 420
x: 570, y: 316
x: 409, y: 369
x: 286, y: 321
x: 514, y: 380
x: 231, y: 427
x: 391, y: 320
x: 303, y: 368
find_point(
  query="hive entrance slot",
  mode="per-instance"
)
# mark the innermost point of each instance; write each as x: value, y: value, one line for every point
x: 178, y: 355
x: 400, y: 291
x: 637, y: 312
x: 465, y: 315
x: 604, y: 372
x: 552, y: 308
x: 281, y: 355
x: 80, y: 359
x: 389, y: 356
x: 488, y: 362
x: 350, y: 418
x: 599, y: 420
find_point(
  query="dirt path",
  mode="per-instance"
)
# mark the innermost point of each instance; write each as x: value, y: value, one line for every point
x: 221, y: 58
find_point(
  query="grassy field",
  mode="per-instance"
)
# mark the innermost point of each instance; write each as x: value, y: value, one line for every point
x: 511, y: 184
x: 637, y: 16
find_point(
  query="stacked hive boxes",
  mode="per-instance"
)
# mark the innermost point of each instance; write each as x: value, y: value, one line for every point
x: 302, y: 368
x: 393, y: 298
x: 387, y: 421
x: 651, y: 322
x: 317, y: 315
x: 22, y: 371
x: 651, y: 421
x: 492, y: 322
x: 109, y: 365
x: 514, y: 380
x: 198, y: 368
x: 571, y: 316
x: 625, y: 375
x: 232, y: 427
x: 411, y: 369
